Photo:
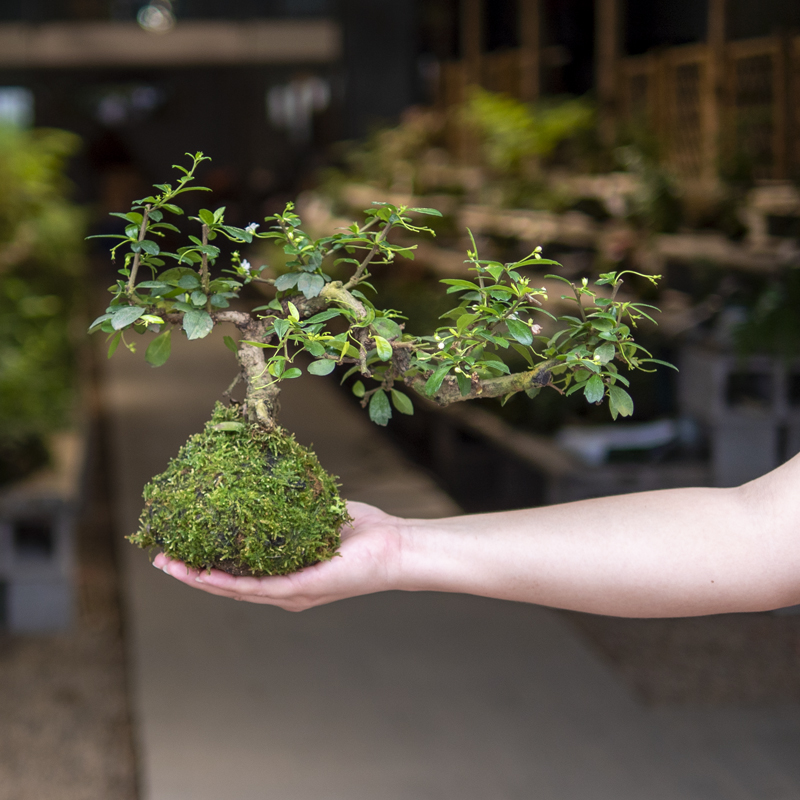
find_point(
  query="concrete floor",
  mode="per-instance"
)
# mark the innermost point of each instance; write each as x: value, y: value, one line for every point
x: 394, y: 696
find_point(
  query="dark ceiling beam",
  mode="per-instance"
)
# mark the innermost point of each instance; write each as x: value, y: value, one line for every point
x: 189, y: 43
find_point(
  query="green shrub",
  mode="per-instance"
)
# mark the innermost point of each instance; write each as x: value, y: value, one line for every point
x: 41, y: 263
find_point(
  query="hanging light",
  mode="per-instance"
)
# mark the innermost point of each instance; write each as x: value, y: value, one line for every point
x: 157, y: 17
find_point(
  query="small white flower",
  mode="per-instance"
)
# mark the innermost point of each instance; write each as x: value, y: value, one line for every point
x: 441, y: 345
x: 251, y: 228
x: 246, y: 266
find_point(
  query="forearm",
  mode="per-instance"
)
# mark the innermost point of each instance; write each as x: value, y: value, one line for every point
x: 670, y: 553
x: 681, y: 552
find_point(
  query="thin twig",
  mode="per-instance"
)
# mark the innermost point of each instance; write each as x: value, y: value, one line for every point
x: 381, y: 237
x: 204, y: 269
x: 578, y: 299
x: 234, y: 383
x: 137, y: 256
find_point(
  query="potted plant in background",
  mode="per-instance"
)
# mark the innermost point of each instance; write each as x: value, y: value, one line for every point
x: 41, y: 271
x: 41, y: 441
x: 242, y: 495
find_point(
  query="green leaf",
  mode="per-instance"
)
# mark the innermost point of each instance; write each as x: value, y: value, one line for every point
x: 605, y: 352
x: 659, y: 361
x: 387, y: 328
x: 431, y: 212
x: 197, y: 324
x: 189, y: 282
x: 402, y: 402
x: 315, y: 349
x: 198, y: 298
x: 293, y: 312
x: 323, y: 316
x: 206, y: 216
x: 281, y: 327
x: 465, y: 320
x: 291, y: 373
x: 310, y: 285
x: 209, y: 250
x: 524, y: 352
x: 123, y: 316
x: 380, y: 412
x: 594, y: 389
x: 384, y: 348
x: 231, y: 427
x: 358, y: 389
x: 172, y: 208
x: 230, y: 344
x: 152, y: 285
x: 435, y: 381
x: 151, y: 248
x: 172, y: 276
x: 115, y: 340
x: 344, y: 348
x: 520, y: 331
x: 323, y: 367
x: 495, y: 272
x: 159, y: 349
x: 457, y: 283
x: 602, y: 324
x: 464, y: 384
x: 497, y: 365
x: 276, y: 366
x: 101, y: 318
x: 620, y: 401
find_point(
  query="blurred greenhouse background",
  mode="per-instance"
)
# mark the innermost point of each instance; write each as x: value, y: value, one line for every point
x: 661, y: 137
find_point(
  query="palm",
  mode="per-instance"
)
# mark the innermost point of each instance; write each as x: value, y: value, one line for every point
x: 363, y: 564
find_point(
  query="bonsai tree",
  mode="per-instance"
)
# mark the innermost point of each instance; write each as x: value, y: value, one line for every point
x: 242, y: 495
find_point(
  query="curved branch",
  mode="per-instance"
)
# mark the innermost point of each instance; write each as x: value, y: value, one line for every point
x: 335, y: 292
x: 449, y: 391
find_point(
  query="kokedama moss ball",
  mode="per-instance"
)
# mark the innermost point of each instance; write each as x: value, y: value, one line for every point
x: 244, y: 500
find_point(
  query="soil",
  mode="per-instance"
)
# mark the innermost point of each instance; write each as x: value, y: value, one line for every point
x: 701, y: 661
x: 66, y: 729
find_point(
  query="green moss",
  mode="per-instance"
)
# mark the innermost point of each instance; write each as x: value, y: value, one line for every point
x: 244, y: 500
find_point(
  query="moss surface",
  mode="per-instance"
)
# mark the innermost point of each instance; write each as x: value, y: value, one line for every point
x: 244, y: 500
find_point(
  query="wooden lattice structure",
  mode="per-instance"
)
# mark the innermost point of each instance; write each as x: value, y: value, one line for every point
x: 714, y: 106
x: 750, y: 121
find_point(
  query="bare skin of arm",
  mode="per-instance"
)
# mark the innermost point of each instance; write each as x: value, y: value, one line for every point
x: 672, y: 553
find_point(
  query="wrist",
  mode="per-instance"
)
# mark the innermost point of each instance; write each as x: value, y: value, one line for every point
x: 428, y: 555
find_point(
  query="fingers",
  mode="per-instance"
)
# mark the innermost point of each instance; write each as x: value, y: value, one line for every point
x: 278, y: 590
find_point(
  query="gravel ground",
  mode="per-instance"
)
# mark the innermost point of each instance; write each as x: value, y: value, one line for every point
x: 64, y: 722
x: 702, y: 661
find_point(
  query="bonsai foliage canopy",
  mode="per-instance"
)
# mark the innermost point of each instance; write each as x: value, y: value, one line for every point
x: 242, y: 495
x: 336, y: 322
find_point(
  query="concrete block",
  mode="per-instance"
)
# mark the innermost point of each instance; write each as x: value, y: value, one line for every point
x: 36, y: 567
x: 39, y: 606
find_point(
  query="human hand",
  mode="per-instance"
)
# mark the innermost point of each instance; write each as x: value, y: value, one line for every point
x: 366, y: 563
